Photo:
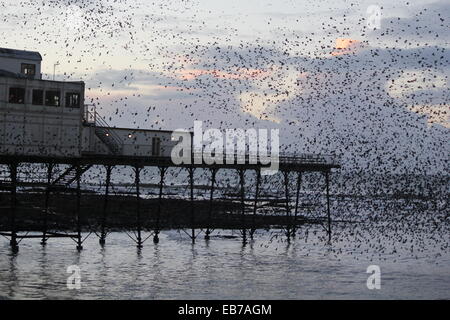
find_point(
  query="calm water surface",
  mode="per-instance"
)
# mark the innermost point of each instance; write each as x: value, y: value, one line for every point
x: 267, y: 268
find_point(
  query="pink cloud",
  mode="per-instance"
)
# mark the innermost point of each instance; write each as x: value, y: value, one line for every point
x: 346, y: 46
x: 237, y: 74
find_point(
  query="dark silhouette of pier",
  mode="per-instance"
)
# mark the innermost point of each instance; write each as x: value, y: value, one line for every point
x: 289, y: 166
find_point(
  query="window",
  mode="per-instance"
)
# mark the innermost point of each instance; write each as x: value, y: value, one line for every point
x: 28, y: 69
x: 38, y: 97
x: 52, y: 98
x: 156, y: 146
x: 72, y: 100
x: 17, y: 95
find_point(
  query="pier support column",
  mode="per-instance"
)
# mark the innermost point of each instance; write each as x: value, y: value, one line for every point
x: 255, y: 204
x: 297, y: 199
x: 191, y: 184
x: 105, y: 206
x: 288, y: 209
x: 13, y: 172
x: 137, y: 171
x: 327, y: 180
x: 78, y: 177
x: 242, y: 183
x: 211, y: 197
x: 162, y: 171
x: 50, y: 167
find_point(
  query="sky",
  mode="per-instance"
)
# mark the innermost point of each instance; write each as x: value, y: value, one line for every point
x: 377, y: 97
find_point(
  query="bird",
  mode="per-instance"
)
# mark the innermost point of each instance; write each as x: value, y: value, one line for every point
x: 376, y: 99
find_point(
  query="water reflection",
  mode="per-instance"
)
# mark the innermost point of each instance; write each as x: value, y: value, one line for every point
x: 12, y: 280
x: 268, y: 267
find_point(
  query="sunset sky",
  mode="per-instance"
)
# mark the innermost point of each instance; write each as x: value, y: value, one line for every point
x: 311, y: 68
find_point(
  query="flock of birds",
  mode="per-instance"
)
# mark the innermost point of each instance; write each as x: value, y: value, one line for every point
x: 383, y: 109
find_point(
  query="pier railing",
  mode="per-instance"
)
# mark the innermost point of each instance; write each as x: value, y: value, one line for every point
x: 282, y: 158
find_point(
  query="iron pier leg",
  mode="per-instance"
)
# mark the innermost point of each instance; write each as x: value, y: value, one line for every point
x: 137, y: 171
x: 242, y: 183
x: 211, y: 197
x: 162, y: 171
x: 327, y: 178
x: 79, y: 241
x: 255, y: 205
x: 288, y: 209
x: 13, y: 241
x: 191, y: 183
x: 47, y: 202
x: 297, y: 197
x: 105, y: 206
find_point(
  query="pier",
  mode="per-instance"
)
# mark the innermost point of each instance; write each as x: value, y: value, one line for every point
x: 291, y: 169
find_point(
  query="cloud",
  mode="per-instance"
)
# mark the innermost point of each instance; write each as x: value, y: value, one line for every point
x: 436, y: 114
x: 346, y: 46
x: 234, y: 74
